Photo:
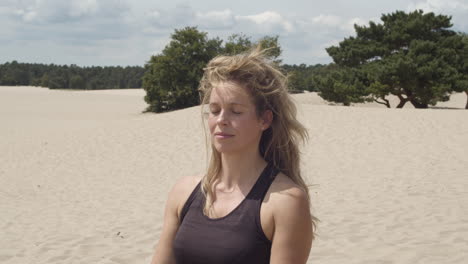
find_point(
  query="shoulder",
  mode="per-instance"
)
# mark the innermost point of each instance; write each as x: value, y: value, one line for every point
x: 181, y: 191
x: 185, y: 184
x: 292, y: 221
x: 284, y: 194
x: 288, y: 203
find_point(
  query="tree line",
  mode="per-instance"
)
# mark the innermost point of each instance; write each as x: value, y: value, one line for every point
x: 414, y: 56
x: 71, y: 77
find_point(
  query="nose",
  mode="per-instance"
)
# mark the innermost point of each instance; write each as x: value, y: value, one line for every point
x: 222, y: 118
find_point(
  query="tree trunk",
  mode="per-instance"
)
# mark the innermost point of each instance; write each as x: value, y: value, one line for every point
x: 466, y: 106
x: 402, y: 101
x: 401, y: 104
x: 418, y: 104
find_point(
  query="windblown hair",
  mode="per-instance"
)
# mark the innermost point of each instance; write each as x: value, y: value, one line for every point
x: 267, y: 86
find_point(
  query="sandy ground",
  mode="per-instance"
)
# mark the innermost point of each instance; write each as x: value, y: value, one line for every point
x: 84, y: 177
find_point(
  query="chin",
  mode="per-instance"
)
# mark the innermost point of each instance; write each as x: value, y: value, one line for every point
x: 223, y: 149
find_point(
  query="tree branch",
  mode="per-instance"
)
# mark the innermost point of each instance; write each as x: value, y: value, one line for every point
x: 386, y: 103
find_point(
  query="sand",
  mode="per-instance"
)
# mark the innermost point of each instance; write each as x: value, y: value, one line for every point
x: 84, y: 176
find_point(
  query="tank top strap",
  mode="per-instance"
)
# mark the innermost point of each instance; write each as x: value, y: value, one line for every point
x: 191, y: 198
x: 263, y: 183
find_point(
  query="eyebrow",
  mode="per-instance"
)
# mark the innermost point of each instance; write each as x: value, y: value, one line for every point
x: 232, y: 103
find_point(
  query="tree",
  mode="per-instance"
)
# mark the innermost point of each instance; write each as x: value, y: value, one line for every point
x: 304, y: 77
x: 77, y: 82
x: 462, y: 66
x: 409, y: 55
x: 171, y: 79
x: 341, y: 85
x: 238, y: 43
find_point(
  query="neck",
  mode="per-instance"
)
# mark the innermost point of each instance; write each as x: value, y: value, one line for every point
x: 240, y: 169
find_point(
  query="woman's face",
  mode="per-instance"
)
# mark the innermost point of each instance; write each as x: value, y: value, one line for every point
x: 233, y: 121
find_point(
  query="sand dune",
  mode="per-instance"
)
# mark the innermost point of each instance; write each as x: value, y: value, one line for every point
x: 84, y: 177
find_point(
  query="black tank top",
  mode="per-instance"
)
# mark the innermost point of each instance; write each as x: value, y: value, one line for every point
x: 235, y: 238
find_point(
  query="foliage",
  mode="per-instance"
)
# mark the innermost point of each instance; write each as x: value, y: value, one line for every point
x: 302, y: 77
x: 171, y: 78
x: 342, y: 85
x: 237, y: 43
x: 70, y: 77
x: 462, y: 66
x: 411, y: 55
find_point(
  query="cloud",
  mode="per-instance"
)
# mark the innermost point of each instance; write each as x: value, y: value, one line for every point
x: 270, y: 21
x: 334, y: 24
x: 327, y: 20
x: 184, y: 15
x: 73, y: 22
x: 59, y: 11
x: 216, y: 19
x: 181, y: 15
x: 438, y: 5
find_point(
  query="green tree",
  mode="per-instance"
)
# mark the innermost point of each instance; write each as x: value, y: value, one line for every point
x: 462, y: 66
x: 77, y: 82
x: 409, y: 55
x: 342, y: 85
x: 303, y: 77
x: 273, y: 48
x: 45, y: 80
x: 171, y: 79
x: 238, y: 43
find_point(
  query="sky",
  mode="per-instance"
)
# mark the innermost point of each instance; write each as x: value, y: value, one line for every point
x: 129, y: 32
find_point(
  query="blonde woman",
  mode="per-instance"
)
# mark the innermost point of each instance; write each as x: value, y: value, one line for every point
x: 252, y: 205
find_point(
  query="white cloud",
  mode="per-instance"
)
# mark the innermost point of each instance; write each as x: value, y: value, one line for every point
x: 56, y: 11
x: 267, y: 22
x: 336, y: 23
x: 181, y: 15
x: 216, y: 19
x: 270, y: 21
x: 327, y: 20
x: 438, y: 5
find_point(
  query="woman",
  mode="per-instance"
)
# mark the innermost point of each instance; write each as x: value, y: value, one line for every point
x: 252, y: 206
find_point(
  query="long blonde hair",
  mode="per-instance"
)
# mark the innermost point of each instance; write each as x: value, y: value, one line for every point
x: 268, y: 87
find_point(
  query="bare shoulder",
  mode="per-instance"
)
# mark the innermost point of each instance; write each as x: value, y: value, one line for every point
x: 285, y: 193
x: 185, y: 184
x: 181, y: 191
x: 291, y: 224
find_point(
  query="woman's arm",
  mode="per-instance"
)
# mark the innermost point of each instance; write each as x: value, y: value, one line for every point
x: 292, y: 237
x: 175, y: 201
x: 163, y: 253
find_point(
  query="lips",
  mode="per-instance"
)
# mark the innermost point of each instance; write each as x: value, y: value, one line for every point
x: 222, y: 135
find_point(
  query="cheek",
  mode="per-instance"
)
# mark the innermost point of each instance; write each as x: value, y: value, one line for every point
x: 211, y: 124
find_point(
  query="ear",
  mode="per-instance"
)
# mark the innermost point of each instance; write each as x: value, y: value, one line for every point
x: 267, y: 119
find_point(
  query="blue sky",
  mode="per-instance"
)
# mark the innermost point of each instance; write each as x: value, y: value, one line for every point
x: 125, y: 32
